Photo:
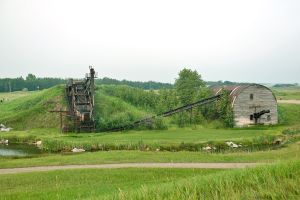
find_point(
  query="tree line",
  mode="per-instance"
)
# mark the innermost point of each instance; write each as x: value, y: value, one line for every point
x: 32, y: 83
x: 149, y: 85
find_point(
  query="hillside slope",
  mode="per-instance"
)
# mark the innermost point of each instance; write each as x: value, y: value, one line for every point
x: 113, y: 112
x: 32, y: 110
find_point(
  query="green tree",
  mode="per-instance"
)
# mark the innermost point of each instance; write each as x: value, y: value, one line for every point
x: 30, y: 77
x: 167, y: 100
x: 224, y: 109
x: 189, y: 86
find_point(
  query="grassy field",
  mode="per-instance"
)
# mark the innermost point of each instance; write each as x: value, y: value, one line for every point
x: 287, y: 93
x: 87, y: 184
x: 173, y: 139
x: 31, y: 112
x: 28, y: 114
x: 9, y: 96
x: 280, y: 181
x: 289, y: 114
x: 288, y: 153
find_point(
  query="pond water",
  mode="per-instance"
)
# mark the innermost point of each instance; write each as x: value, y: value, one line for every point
x: 19, y: 150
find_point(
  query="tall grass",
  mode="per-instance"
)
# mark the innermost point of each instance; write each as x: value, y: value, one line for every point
x: 279, y: 181
x: 173, y: 139
x: 113, y: 112
x: 289, y: 114
x: 146, y: 100
x: 249, y: 145
x: 86, y: 183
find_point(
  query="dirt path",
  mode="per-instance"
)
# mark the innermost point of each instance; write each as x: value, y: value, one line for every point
x: 289, y: 101
x: 132, y: 165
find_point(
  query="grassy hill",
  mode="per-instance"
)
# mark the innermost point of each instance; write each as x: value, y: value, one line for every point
x: 115, y: 106
x: 113, y: 112
x: 27, y: 110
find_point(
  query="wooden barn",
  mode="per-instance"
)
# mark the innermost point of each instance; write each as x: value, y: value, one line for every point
x: 252, y: 104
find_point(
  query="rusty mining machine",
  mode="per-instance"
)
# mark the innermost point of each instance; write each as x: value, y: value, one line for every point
x: 80, y: 96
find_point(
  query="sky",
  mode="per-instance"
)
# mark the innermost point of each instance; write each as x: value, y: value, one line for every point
x: 237, y: 40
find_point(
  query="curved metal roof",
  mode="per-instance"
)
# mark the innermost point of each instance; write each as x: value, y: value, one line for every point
x: 237, y: 89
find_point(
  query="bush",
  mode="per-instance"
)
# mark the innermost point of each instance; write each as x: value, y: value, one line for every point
x: 160, y: 124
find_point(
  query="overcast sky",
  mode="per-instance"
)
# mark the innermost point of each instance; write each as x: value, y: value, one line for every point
x: 236, y: 40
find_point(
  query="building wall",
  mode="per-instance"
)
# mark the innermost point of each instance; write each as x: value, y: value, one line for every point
x: 244, y: 106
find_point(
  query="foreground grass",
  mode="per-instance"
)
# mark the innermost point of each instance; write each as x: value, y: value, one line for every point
x: 279, y: 181
x: 87, y: 184
x: 289, y: 153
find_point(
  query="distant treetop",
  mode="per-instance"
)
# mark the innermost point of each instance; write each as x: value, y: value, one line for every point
x: 286, y: 85
x: 149, y: 85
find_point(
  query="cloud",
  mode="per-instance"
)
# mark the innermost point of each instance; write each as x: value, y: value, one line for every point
x: 255, y: 41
